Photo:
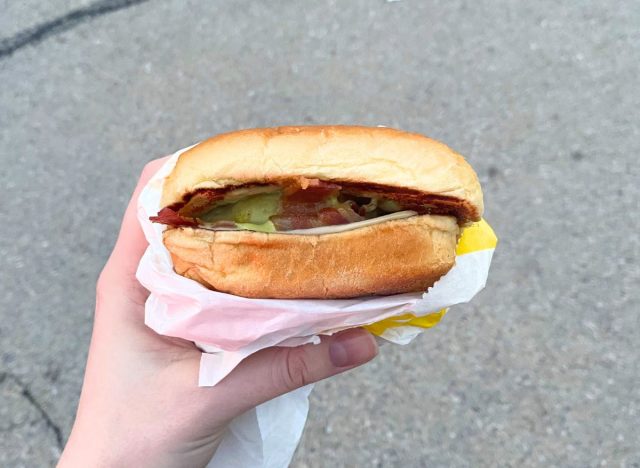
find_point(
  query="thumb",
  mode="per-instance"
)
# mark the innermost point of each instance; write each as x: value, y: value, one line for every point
x: 276, y: 371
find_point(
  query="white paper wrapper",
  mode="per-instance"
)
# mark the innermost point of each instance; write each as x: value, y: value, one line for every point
x: 266, y: 436
x: 229, y: 328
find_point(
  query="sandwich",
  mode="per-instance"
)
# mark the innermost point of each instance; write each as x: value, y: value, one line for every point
x: 318, y: 212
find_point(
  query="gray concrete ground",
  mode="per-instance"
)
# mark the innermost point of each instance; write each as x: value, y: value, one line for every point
x: 542, y: 97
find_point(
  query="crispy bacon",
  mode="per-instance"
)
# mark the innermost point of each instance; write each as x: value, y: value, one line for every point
x: 304, y: 203
x: 200, y: 202
x: 410, y: 199
x: 332, y: 216
x: 289, y: 220
x: 171, y: 218
x: 307, y: 208
x: 313, y: 191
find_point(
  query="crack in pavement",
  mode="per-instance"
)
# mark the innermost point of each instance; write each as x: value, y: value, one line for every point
x: 26, y: 393
x: 42, y: 31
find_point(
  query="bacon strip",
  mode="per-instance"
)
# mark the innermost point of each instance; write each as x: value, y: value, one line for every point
x: 200, y: 202
x: 313, y: 193
x: 170, y: 217
x: 304, y: 203
x: 289, y: 223
x: 410, y: 199
x: 332, y: 216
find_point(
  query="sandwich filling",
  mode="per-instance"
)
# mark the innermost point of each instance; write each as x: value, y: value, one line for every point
x: 301, y: 204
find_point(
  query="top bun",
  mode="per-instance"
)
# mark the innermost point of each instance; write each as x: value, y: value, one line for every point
x: 373, y: 155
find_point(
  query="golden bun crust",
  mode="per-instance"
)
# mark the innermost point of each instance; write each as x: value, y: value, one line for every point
x: 375, y: 155
x: 391, y: 257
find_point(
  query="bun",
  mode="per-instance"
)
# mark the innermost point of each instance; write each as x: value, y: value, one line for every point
x: 374, y: 155
x: 391, y: 257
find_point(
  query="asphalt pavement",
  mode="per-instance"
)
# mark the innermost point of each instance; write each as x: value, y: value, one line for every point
x: 541, y: 369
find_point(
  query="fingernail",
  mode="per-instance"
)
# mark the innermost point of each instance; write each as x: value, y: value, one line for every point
x: 352, y: 348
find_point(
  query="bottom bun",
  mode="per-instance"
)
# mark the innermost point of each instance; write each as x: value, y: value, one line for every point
x: 391, y: 257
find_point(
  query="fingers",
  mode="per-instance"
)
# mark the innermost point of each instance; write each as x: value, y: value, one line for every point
x: 131, y: 242
x: 119, y: 272
x: 275, y: 371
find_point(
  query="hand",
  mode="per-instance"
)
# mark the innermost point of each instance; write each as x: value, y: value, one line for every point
x: 141, y: 404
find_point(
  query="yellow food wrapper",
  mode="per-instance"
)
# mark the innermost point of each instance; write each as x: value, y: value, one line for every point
x: 473, y: 257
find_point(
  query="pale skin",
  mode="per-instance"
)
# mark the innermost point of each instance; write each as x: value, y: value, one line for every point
x: 141, y: 404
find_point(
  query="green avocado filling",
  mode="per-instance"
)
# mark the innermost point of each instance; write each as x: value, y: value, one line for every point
x: 251, y: 213
x: 255, y: 209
